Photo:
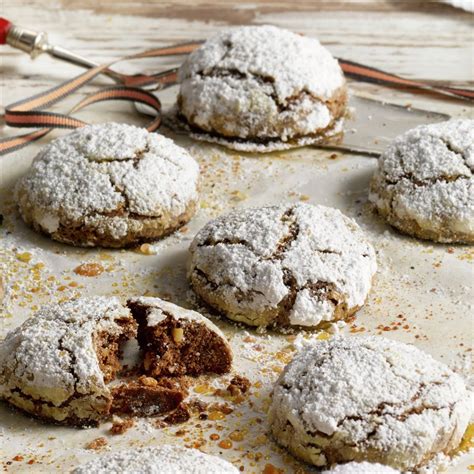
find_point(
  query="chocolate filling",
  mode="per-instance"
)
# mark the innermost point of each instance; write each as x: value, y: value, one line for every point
x: 107, y: 347
x: 145, y: 397
x: 171, y: 349
x: 176, y: 347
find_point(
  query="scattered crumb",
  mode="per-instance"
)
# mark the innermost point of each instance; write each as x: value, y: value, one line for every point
x: 238, y: 385
x: 180, y: 415
x: 89, y: 269
x: 121, y: 425
x: 97, y: 444
x: 147, y: 249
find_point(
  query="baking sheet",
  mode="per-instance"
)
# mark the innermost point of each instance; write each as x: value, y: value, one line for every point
x: 425, y: 286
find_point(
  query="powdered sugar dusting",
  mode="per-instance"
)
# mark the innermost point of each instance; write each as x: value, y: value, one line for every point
x: 259, y: 81
x: 268, y: 51
x: 376, y: 394
x: 163, y: 460
x: 361, y: 468
x: 52, y: 357
x: 426, y: 174
x: 120, y: 142
x: 248, y: 255
x: 100, y: 171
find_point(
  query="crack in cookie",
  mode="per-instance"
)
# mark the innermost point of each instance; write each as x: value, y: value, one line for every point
x: 282, y: 266
x: 424, y: 185
x: 244, y: 90
x: 109, y: 185
x: 371, y: 399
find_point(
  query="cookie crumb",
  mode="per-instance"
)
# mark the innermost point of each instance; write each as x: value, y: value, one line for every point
x: 238, y: 385
x: 97, y: 444
x: 180, y: 415
x: 89, y: 269
x: 121, y: 425
x: 147, y: 249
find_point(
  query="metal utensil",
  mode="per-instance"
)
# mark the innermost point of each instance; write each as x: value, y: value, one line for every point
x: 36, y: 43
x: 372, y: 124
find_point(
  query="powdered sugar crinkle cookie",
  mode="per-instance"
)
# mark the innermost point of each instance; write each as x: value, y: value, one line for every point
x: 368, y: 399
x: 57, y: 363
x: 361, y: 468
x: 424, y: 185
x: 109, y: 185
x: 288, y: 265
x: 166, y: 459
x: 261, y: 88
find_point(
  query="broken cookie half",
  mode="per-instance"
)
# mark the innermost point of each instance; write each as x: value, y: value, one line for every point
x: 177, y: 341
x: 57, y: 365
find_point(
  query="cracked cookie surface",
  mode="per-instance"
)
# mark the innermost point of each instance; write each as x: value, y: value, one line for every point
x: 289, y: 265
x: 424, y: 184
x: 57, y: 363
x: 256, y: 88
x: 109, y: 185
x: 165, y: 459
x: 368, y: 399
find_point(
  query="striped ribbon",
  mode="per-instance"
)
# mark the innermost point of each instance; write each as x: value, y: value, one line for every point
x: 30, y: 111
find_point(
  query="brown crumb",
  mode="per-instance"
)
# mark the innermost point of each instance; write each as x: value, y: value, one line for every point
x: 271, y: 469
x: 97, y: 444
x: 148, y: 381
x: 175, y: 383
x: 180, y: 415
x: 121, y: 425
x: 225, y: 444
x: 221, y: 407
x: 89, y: 269
x: 160, y: 424
x: 238, y: 385
x: 197, y: 406
x: 147, y: 249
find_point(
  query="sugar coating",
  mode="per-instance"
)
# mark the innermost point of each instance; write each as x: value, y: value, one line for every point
x: 101, y: 175
x: 159, y: 310
x: 166, y: 459
x: 259, y: 81
x: 369, y: 395
x: 426, y: 175
x: 361, y: 468
x: 273, y: 145
x: 51, y: 357
x: 249, y: 255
